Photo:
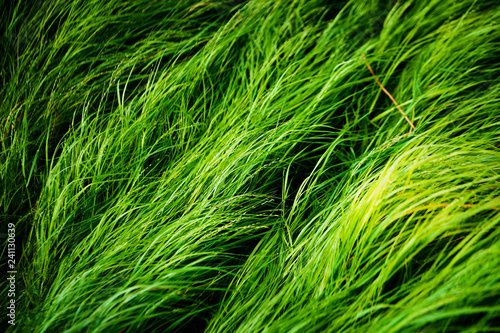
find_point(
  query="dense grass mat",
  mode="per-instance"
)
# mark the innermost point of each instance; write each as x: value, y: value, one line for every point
x: 250, y: 166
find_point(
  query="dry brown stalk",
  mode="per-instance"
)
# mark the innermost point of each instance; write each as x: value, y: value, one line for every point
x: 388, y: 93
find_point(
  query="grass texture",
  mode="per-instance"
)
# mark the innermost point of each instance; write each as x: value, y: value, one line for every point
x: 257, y: 166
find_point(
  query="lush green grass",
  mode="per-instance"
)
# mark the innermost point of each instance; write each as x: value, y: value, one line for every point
x: 236, y: 167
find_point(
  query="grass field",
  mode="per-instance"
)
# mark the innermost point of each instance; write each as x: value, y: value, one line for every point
x: 251, y: 166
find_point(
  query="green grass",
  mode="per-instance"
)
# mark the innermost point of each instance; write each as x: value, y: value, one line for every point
x: 234, y: 166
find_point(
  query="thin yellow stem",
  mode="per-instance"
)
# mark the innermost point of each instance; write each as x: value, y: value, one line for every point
x: 388, y: 93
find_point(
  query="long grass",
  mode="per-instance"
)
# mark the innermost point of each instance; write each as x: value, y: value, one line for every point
x: 258, y: 166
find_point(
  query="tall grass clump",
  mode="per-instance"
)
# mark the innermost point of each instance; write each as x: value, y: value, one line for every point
x: 252, y: 166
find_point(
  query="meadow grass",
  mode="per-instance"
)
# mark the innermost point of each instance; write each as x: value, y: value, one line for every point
x: 257, y: 166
